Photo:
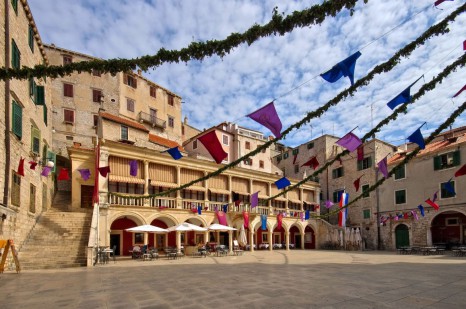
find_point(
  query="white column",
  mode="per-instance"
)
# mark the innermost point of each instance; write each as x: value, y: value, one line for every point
x: 270, y: 240
x: 230, y: 241
x: 287, y: 240
x: 251, y: 239
x: 178, y: 241
x: 302, y: 241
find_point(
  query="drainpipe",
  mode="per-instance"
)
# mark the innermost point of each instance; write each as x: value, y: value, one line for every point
x: 6, y: 186
x: 377, y: 197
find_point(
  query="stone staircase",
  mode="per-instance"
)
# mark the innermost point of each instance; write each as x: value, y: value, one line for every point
x: 58, y: 240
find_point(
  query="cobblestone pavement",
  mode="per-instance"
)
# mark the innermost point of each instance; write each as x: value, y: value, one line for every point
x: 262, y: 279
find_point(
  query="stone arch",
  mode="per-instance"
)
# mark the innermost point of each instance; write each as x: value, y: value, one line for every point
x: 117, y: 223
x: 402, y: 235
x: 446, y: 228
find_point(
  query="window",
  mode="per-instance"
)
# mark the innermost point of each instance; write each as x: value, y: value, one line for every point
x: 366, y: 213
x: 16, y: 190
x: 225, y: 139
x: 400, y: 172
x: 96, y: 72
x: 365, y: 191
x: 247, y: 145
x: 364, y: 163
x: 68, y: 115
x: 67, y: 59
x: 44, y: 154
x: 96, y: 95
x: 124, y: 133
x: 447, y: 190
x: 171, y: 100
x: 400, y: 197
x: 45, y: 114
x: 31, y: 38
x: 310, y: 145
x: 195, y: 144
x: 130, y: 81
x: 263, y: 150
x: 153, y: 91
x: 337, y: 195
x: 279, y: 158
x: 95, y: 120
x: 15, y: 56
x: 265, y: 237
x: 68, y: 90
x: 17, y: 122
x: 296, y: 169
x: 261, y: 164
x: 248, y: 161
x: 32, y: 87
x: 447, y: 160
x: 138, y: 238
x: 295, y: 151
x: 39, y: 95
x: 32, y: 198
x: 285, y: 155
x: 171, y: 122
x: 130, y: 105
x: 35, y: 140
x: 338, y: 172
x: 14, y: 3
x: 451, y: 221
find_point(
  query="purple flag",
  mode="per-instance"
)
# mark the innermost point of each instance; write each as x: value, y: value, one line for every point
x: 268, y: 117
x: 46, y: 171
x: 328, y: 204
x: 383, y: 167
x: 85, y: 174
x: 350, y: 141
x: 133, y: 167
x: 414, y: 213
x: 254, y: 199
x: 435, y: 196
x: 301, y: 215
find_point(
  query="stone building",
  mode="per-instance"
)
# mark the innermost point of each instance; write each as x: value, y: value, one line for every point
x: 420, y: 179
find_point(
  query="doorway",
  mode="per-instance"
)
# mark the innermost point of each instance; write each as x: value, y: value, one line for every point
x: 297, y: 241
x: 402, y: 236
x: 115, y: 241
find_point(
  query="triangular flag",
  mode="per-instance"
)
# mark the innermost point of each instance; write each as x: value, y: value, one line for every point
x: 307, y: 215
x: 268, y: 117
x: 254, y: 199
x: 222, y: 218
x: 32, y: 165
x: 199, y: 210
x: 213, y: 146
x: 417, y: 138
x: 405, y: 215
x: 383, y: 167
x: 434, y: 205
x: 63, y: 175
x: 294, y: 159
x: 133, y: 167
x: 440, y: 1
x: 21, y: 167
x: 264, y: 222
x: 414, y: 213
x: 279, y: 221
x: 464, y: 45
x: 461, y: 90
x: 343, y: 68
x: 461, y: 171
x: 175, y: 153
x: 225, y: 208
x: 246, y: 219
x: 328, y: 204
x: 282, y: 183
x: 350, y: 141
x: 356, y: 183
x: 421, y: 209
x: 312, y: 162
x: 301, y: 216
x: 46, y: 171
x: 361, y: 152
x: 449, y: 187
x: 403, y: 97
x: 434, y: 198
x: 85, y: 174
x: 104, y: 171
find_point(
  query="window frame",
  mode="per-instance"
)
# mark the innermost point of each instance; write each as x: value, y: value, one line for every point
x: 32, y: 198
x: 337, y: 196
x: 225, y: 139
x: 295, y: 151
x: 455, y: 160
x: 130, y: 80
x: 130, y: 105
x: 310, y: 145
x: 296, y: 168
x: 68, y: 116
x: 97, y: 95
x: 396, y: 173
x: 338, y: 172
x: 366, y: 213
x: 96, y: 73
x: 405, y: 196
x: 14, y: 3
x: 171, y: 121
x: 17, y: 119
x: 124, y: 132
x: 67, y: 59
x: 195, y: 144
x: 153, y: 91
x: 247, y: 145
x: 35, y: 140
x: 15, y: 56
x: 286, y: 155
x: 261, y: 164
x: 15, y: 189
x: 170, y: 99
x: 364, y: 164
x: 365, y: 187
x: 68, y: 90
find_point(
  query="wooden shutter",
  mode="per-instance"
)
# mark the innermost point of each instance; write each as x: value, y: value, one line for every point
x: 96, y: 95
x: 456, y: 158
x: 437, y: 163
x: 35, y: 139
x: 17, y: 120
x: 334, y: 173
x: 40, y: 95
x: 31, y: 38
x: 69, y: 115
x: 68, y: 90
x: 15, y: 55
x: 45, y: 114
x: 359, y: 165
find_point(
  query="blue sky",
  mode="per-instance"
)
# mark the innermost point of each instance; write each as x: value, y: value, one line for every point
x: 216, y: 89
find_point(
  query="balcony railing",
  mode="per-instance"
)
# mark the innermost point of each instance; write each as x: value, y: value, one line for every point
x: 152, y: 120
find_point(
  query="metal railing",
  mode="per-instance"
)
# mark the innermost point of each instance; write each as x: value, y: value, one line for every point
x: 152, y: 120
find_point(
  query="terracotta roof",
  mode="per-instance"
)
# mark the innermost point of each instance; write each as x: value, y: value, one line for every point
x: 432, y: 148
x: 124, y: 121
x: 164, y: 142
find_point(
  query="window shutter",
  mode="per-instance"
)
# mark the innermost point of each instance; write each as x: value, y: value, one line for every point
x: 51, y: 156
x: 17, y: 120
x: 342, y: 171
x: 437, y: 163
x: 31, y: 86
x: 335, y: 196
x: 31, y: 38
x: 334, y: 174
x: 45, y: 114
x: 40, y: 95
x: 369, y: 162
x: 456, y: 158
x: 359, y: 165
x: 135, y: 82
x: 35, y: 140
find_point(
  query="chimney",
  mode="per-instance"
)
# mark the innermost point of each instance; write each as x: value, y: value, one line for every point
x: 185, y: 120
x: 139, y: 72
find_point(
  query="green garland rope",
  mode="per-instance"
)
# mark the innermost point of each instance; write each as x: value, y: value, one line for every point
x: 278, y: 25
x: 408, y: 158
x: 438, y: 29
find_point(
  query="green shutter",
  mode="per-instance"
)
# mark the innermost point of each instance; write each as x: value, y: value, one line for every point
x: 31, y: 38
x: 334, y: 174
x: 359, y: 165
x: 335, y: 196
x: 44, y: 154
x: 15, y: 56
x: 35, y: 140
x: 17, y: 123
x: 14, y: 3
x: 456, y: 158
x: 45, y: 114
x: 40, y: 95
x: 32, y: 85
x: 369, y: 162
x: 437, y: 163
x: 52, y: 157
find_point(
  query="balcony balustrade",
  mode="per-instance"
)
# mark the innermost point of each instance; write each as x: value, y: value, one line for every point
x: 152, y: 120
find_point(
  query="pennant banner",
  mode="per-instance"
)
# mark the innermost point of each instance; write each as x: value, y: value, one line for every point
x: 382, y: 165
x: 417, y: 138
x: 85, y: 174
x: 312, y: 162
x: 133, y: 167
x: 279, y: 221
x: 246, y: 219
x: 350, y: 141
x: 21, y: 167
x: 254, y: 199
x: 414, y: 213
x: 356, y: 183
x: 403, y: 97
x: 361, y: 152
x: 461, y: 90
x: 264, y: 222
x: 343, y: 213
x: 434, y: 198
x: 461, y: 171
x: 32, y: 165
x: 307, y: 215
x: 104, y: 171
x: 343, y: 68
x: 175, y: 153
x: 328, y: 204
x: 199, y: 210
x: 46, y: 171
x: 421, y: 209
x: 449, y: 187
x: 434, y: 205
x: 440, y: 1
x: 63, y: 175
x: 213, y: 146
x: 268, y: 117
x: 222, y: 218
x: 282, y: 183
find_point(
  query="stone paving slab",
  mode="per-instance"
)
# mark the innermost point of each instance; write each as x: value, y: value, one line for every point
x: 261, y: 279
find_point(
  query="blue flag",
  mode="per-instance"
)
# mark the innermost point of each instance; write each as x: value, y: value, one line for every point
x: 307, y: 215
x: 282, y: 183
x: 421, y: 209
x: 225, y: 208
x: 417, y: 138
x: 264, y: 222
x: 449, y: 187
x: 343, y: 68
x: 199, y: 209
x: 175, y: 153
x: 403, y: 97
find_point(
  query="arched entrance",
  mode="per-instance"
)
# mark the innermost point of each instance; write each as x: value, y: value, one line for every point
x: 309, y: 238
x: 402, y: 236
x: 124, y: 241
x: 448, y: 229
x: 295, y: 237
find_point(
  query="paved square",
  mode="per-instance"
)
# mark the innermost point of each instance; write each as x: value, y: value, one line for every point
x: 262, y: 279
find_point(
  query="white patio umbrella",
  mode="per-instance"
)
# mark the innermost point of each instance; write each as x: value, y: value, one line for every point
x: 221, y: 228
x: 185, y: 226
x: 146, y: 228
x: 341, y: 238
x: 335, y: 237
x: 358, y: 237
x: 243, y: 241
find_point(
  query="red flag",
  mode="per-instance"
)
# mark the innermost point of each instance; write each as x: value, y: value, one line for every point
x: 63, y: 175
x: 464, y: 45
x: 405, y: 215
x: 32, y: 165
x: 461, y: 90
x: 434, y: 205
x: 213, y: 146
x: 246, y: 219
x: 312, y: 162
x: 461, y: 171
x: 356, y: 183
x: 440, y: 1
x: 21, y: 167
x: 279, y: 221
x: 95, y: 194
x: 361, y: 152
x: 222, y: 219
x: 294, y: 159
x: 104, y: 171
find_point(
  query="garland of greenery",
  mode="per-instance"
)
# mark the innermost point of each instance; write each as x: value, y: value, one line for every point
x: 407, y: 158
x: 440, y: 28
x: 460, y: 62
x: 278, y: 25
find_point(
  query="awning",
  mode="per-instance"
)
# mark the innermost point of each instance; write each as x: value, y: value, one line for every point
x: 156, y: 183
x: 295, y: 201
x: 263, y: 197
x: 241, y: 193
x: 195, y: 188
x: 280, y: 198
x: 219, y: 191
x: 126, y: 179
